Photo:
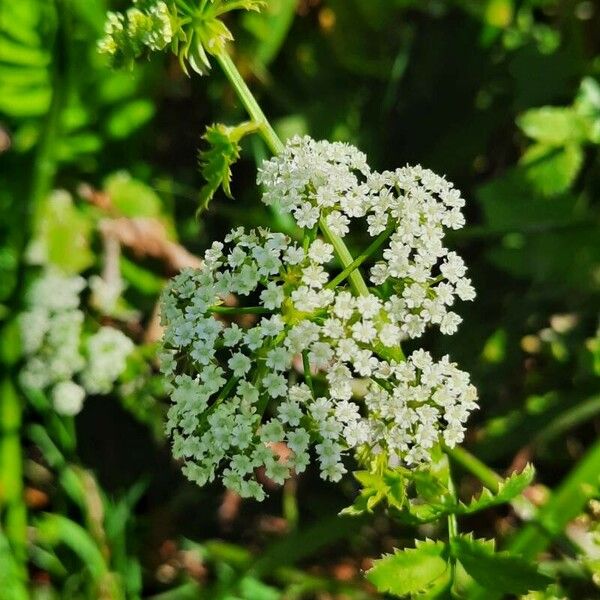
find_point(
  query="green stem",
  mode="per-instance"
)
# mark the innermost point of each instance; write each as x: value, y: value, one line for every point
x: 249, y: 102
x: 451, y: 519
x: 276, y: 146
x: 564, y: 505
x: 12, y: 503
x: 307, y: 373
x: 357, y: 262
x: 240, y: 310
x: 44, y: 164
x: 476, y: 467
x: 341, y: 250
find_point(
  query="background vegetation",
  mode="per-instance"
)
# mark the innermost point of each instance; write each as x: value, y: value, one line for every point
x: 502, y: 96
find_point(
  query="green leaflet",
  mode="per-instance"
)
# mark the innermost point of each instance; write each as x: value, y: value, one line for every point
x: 508, y: 489
x: 498, y: 571
x: 551, y: 170
x: 437, y: 507
x: 427, y: 570
x: 553, y: 125
x: 217, y: 159
x: 412, y: 571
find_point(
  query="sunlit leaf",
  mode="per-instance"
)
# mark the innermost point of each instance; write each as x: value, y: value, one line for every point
x: 552, y: 170
x: 410, y: 571
x: 554, y: 126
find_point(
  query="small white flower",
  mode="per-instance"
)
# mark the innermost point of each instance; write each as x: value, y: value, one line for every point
x: 275, y: 385
x: 320, y: 252
x: 239, y: 364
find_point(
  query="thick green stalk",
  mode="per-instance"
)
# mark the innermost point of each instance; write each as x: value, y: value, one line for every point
x: 240, y: 310
x: 276, y: 146
x: 476, y: 467
x: 12, y: 504
x: 452, y: 520
x: 355, y: 264
x: 249, y: 101
x: 341, y: 250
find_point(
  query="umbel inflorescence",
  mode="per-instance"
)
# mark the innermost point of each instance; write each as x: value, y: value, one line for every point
x: 306, y: 361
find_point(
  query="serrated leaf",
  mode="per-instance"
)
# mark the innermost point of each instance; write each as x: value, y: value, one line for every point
x: 498, y: 571
x: 429, y: 486
x: 554, y: 125
x: 551, y: 170
x: 411, y: 571
x: 390, y: 485
x: 436, y: 507
x: 216, y: 161
x: 508, y: 489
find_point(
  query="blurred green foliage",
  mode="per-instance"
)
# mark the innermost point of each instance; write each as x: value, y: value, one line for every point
x: 503, y: 96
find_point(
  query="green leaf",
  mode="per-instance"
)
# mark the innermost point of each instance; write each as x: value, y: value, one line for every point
x: 131, y: 197
x: 53, y: 529
x: 254, y: 589
x: 63, y: 236
x: 551, y: 170
x: 555, y: 126
x: 430, y: 487
x: 507, y: 490
x: 587, y: 104
x: 440, y: 503
x: 128, y: 117
x: 497, y: 571
x: 411, y: 571
x: 12, y: 579
x: 377, y: 487
x: 217, y: 159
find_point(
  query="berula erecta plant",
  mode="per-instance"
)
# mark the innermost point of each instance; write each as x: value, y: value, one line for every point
x: 282, y: 350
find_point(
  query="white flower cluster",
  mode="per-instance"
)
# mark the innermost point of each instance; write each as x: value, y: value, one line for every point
x: 107, y: 351
x: 51, y: 332
x: 332, y: 182
x: 148, y: 24
x: 243, y: 389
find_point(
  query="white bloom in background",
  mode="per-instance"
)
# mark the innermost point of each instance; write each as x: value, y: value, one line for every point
x: 55, y: 292
x: 67, y: 398
x: 51, y: 334
x: 51, y: 330
x: 107, y: 352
